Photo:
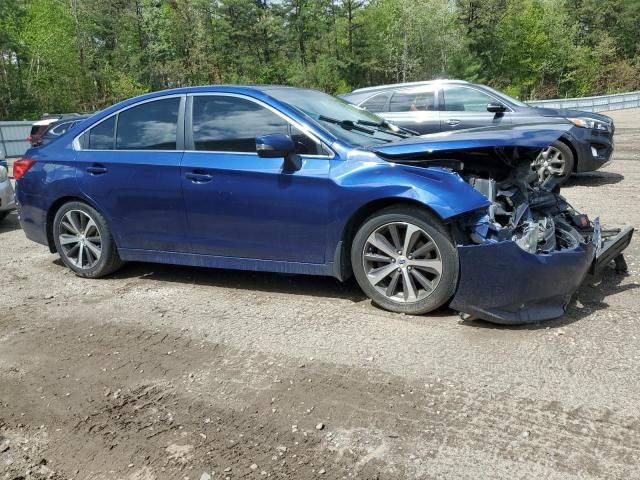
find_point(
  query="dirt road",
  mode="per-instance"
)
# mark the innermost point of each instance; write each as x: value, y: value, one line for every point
x: 163, y: 372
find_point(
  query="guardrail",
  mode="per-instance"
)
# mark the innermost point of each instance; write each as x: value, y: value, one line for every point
x: 602, y: 103
x: 13, y: 138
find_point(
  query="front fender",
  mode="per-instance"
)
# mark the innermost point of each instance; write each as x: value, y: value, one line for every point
x: 371, y: 179
x: 367, y: 182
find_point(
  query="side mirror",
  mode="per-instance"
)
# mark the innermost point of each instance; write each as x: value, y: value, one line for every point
x: 495, y: 107
x: 277, y: 145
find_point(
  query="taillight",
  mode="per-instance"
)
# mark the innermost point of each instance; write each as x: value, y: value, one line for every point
x: 22, y: 166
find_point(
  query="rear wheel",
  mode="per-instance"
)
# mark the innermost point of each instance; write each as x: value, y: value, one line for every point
x: 84, y: 241
x: 404, y: 260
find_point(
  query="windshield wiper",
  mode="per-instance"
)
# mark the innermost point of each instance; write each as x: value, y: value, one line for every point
x: 386, y: 127
x: 347, y: 124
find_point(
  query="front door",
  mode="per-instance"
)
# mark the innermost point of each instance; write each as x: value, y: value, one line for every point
x: 465, y: 107
x: 241, y: 205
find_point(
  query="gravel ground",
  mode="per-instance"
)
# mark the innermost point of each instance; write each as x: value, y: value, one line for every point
x: 183, y: 373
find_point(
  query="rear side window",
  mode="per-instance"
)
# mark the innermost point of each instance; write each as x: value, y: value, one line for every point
x: 462, y: 99
x: 150, y: 126
x: 101, y: 136
x: 412, y: 102
x: 376, y: 103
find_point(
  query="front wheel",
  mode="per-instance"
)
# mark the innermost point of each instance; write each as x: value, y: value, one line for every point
x: 404, y: 260
x: 556, y: 160
x: 84, y: 241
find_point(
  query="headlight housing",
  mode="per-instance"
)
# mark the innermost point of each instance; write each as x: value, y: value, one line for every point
x: 585, y: 122
x: 3, y: 174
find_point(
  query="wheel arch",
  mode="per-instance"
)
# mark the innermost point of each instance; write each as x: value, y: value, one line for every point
x: 574, y: 152
x: 342, y: 256
x: 53, y: 209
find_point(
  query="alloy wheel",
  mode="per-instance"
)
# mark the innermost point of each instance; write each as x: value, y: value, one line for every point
x: 80, y: 239
x: 402, y: 262
x: 551, y: 161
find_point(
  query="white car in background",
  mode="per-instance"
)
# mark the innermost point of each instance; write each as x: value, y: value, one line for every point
x: 7, y: 200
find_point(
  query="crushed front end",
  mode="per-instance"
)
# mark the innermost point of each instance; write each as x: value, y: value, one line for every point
x: 523, y: 259
x: 525, y: 255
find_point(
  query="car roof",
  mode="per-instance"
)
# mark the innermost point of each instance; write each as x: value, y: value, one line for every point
x: 227, y: 88
x: 393, y: 86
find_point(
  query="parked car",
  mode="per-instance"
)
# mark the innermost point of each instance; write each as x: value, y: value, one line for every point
x: 449, y: 105
x: 291, y: 180
x: 38, y: 129
x: 7, y: 202
x: 60, y: 127
x: 42, y: 126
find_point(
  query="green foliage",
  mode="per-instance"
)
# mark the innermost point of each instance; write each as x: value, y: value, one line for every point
x: 82, y: 55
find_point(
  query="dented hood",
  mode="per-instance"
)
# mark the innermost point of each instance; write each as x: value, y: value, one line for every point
x: 489, y: 148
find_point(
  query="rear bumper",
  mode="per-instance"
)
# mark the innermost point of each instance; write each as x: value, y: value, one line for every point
x: 32, y: 211
x: 502, y: 283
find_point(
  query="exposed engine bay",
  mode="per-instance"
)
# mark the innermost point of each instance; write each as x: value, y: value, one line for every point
x: 533, y: 215
x: 525, y: 254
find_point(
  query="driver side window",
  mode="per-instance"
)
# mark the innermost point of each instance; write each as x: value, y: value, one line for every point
x: 231, y: 124
x: 462, y: 99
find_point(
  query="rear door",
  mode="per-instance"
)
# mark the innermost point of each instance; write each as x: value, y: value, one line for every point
x: 129, y: 167
x: 466, y: 107
x: 415, y: 109
x: 242, y: 205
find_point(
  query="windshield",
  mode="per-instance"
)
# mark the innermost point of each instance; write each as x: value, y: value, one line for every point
x: 344, y: 120
x: 506, y: 97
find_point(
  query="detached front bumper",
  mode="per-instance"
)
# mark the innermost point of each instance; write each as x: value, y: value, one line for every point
x: 502, y: 283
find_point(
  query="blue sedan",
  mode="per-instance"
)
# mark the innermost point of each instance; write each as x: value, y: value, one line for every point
x: 291, y: 180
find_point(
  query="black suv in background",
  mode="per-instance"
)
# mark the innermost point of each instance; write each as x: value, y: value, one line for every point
x: 444, y: 105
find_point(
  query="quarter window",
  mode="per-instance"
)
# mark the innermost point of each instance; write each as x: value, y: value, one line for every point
x: 231, y: 124
x: 376, y: 103
x: 412, y: 102
x: 462, y: 99
x: 101, y: 136
x: 150, y: 126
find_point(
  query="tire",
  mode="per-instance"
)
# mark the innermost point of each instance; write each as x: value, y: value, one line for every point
x: 559, y: 156
x: 4, y: 215
x: 430, y: 243
x: 84, y: 241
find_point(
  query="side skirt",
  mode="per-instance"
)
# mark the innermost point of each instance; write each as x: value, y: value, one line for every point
x: 234, y: 263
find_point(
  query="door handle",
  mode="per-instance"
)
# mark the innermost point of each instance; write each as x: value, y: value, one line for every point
x: 453, y: 122
x: 199, y: 177
x: 97, y: 169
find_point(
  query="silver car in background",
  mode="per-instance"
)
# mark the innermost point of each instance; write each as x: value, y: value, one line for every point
x: 448, y: 105
x: 7, y: 200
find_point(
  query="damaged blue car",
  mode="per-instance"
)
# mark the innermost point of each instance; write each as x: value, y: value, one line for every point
x: 291, y: 180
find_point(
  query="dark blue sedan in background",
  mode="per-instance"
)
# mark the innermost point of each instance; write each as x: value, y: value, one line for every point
x: 290, y: 180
